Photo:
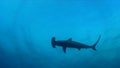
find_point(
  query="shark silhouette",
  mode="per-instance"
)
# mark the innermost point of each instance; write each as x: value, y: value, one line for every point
x: 72, y: 44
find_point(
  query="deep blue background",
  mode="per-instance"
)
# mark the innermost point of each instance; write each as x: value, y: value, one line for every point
x: 26, y: 28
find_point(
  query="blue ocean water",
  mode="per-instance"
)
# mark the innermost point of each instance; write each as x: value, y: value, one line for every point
x: 27, y: 26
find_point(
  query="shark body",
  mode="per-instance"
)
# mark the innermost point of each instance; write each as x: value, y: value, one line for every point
x: 72, y: 44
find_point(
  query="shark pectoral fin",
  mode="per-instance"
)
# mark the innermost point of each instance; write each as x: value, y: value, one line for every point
x: 64, y: 49
x: 79, y: 48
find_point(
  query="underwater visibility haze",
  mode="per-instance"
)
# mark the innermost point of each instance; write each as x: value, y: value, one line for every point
x: 27, y: 27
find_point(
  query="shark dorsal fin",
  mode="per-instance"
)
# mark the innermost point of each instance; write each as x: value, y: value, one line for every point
x: 70, y: 39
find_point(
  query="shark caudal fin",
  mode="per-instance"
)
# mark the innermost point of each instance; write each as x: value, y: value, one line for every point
x: 53, y: 42
x: 94, y: 45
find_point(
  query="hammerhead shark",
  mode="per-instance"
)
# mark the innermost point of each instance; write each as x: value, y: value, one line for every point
x: 72, y: 44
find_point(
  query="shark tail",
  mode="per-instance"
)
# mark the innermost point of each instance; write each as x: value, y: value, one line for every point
x: 53, y: 42
x: 94, y: 45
